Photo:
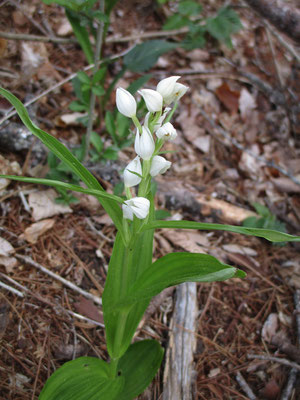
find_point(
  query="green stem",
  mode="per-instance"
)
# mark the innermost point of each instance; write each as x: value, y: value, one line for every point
x: 137, y: 124
x: 97, y: 57
x: 144, y: 185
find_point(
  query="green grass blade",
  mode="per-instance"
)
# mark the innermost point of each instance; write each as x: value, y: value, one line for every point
x: 66, y: 156
x: 269, y: 234
x: 68, y: 186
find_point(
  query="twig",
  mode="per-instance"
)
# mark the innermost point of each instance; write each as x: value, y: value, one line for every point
x: 146, y: 35
x: 283, y: 361
x: 283, y: 42
x: 233, y: 141
x: 245, y: 387
x: 11, y: 289
x: 26, y: 290
x: 67, y: 79
x: 286, y: 394
x: 40, y: 363
x: 271, y: 45
x: 64, y: 281
x: 97, y: 57
x: 36, y: 38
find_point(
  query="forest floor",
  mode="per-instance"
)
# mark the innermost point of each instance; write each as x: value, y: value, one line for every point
x: 236, y: 139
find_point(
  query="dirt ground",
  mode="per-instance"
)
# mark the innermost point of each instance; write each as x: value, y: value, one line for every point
x: 238, y: 143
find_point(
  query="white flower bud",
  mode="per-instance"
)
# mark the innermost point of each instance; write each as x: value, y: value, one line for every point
x: 138, y: 206
x: 144, y: 145
x: 131, y: 179
x: 159, y: 165
x: 166, y: 88
x: 153, y: 99
x: 126, y: 103
x: 167, y: 131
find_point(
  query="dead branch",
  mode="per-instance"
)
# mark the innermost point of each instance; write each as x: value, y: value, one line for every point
x: 284, y: 17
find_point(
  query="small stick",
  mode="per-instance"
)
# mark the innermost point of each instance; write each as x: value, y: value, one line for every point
x: 244, y: 386
x: 283, y: 361
x: 20, y: 294
x: 64, y: 281
x: 10, y: 289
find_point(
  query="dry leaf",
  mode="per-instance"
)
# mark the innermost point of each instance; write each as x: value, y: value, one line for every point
x: 88, y: 309
x: 235, y: 248
x: 64, y: 28
x: 270, y: 327
x: 34, y: 231
x: 6, y: 248
x: 43, y: 204
x: 228, y: 97
x: 286, y: 185
x: 70, y: 119
x: 9, y: 263
x: 202, y: 143
x: 247, y: 104
x: 33, y: 55
x: 189, y: 240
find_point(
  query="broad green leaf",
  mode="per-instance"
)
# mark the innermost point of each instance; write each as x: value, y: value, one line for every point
x: 98, y: 90
x: 138, y: 366
x: 138, y: 83
x: 99, y: 75
x: 75, y: 5
x: 224, y: 25
x: 189, y: 8
x: 176, y: 21
x: 272, y: 236
x: 60, y: 151
x: 78, y: 106
x: 68, y: 186
x: 143, y: 56
x: 175, y: 268
x: 96, y: 141
x: 85, y: 378
x: 83, y: 77
x: 81, y: 34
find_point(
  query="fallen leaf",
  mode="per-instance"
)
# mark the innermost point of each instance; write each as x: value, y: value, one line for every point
x: 235, y: 248
x: 33, y: 55
x: 271, y: 390
x: 189, y: 240
x: 270, y: 327
x: 88, y: 309
x: 286, y: 185
x: 70, y: 119
x: 9, y: 263
x: 247, y: 104
x: 34, y: 231
x: 64, y: 28
x: 202, y: 143
x: 43, y: 204
x: 214, y: 372
x: 6, y: 248
x: 228, y: 97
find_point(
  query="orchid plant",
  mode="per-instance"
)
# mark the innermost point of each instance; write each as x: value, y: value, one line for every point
x: 133, y: 279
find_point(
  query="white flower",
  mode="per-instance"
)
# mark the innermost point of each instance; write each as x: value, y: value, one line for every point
x: 161, y: 119
x: 167, y: 131
x: 159, y: 165
x: 166, y: 88
x: 131, y: 179
x: 138, y: 206
x: 126, y: 103
x: 179, y: 91
x: 170, y: 89
x: 153, y: 99
x: 144, y: 145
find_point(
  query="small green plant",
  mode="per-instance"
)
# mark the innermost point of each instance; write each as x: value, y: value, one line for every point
x: 221, y: 27
x: 265, y: 220
x: 132, y: 278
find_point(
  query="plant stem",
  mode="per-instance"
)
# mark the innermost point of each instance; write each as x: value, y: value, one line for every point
x: 97, y: 57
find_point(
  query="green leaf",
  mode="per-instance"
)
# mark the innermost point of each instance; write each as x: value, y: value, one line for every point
x: 138, y: 83
x: 83, y: 77
x: 98, y: 90
x: 82, y: 35
x: 111, y: 153
x: 143, y: 56
x: 99, y: 75
x: 123, y: 124
x: 189, y: 8
x: 68, y: 186
x: 261, y: 210
x: 60, y: 151
x: 75, y: 5
x: 78, y: 106
x: 85, y: 378
x: 162, y: 214
x: 224, y: 25
x: 96, y: 141
x: 138, y: 366
x: 175, y: 268
x: 176, y: 21
x: 272, y: 236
